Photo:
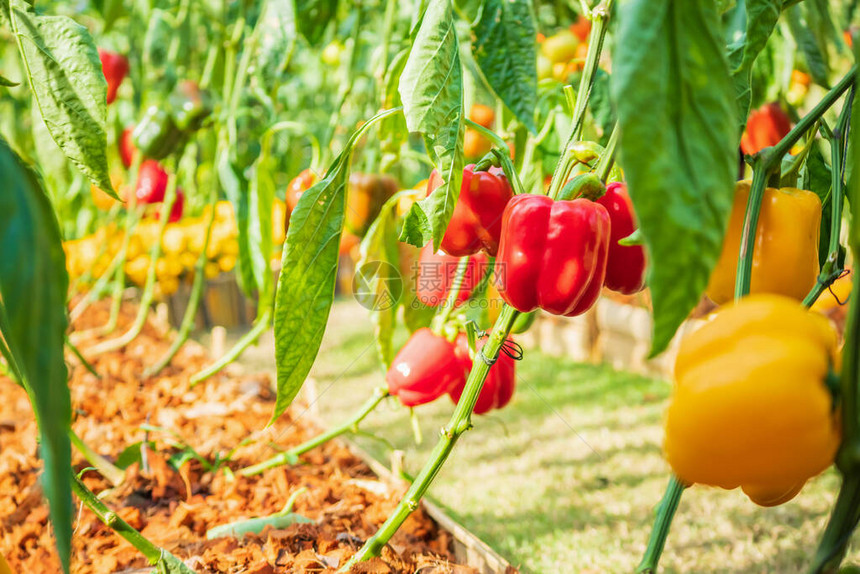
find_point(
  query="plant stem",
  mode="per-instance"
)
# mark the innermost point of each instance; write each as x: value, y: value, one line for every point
x: 665, y: 513
x: 113, y: 474
x: 745, y: 257
x: 152, y: 552
x: 773, y: 156
x: 350, y: 425
x: 151, y: 277
x: 837, y: 534
x: 193, y: 301
x: 77, y: 353
x: 607, y: 159
x: 460, y: 422
x: 263, y: 323
x: 489, y: 134
x: 453, y: 294
x: 99, y: 286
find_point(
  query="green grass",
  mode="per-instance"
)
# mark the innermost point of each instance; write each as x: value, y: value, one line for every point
x: 566, y: 478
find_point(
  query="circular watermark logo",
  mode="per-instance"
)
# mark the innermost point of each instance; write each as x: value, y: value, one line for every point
x: 377, y: 285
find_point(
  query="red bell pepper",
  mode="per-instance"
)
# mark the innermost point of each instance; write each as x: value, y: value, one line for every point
x: 126, y: 147
x: 115, y: 69
x: 499, y: 385
x: 151, y: 182
x: 625, y: 264
x: 426, y: 368
x: 552, y: 254
x: 477, y: 220
x: 436, y: 273
x: 765, y: 127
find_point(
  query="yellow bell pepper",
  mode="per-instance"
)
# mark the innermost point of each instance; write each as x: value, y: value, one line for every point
x: 785, y: 259
x: 750, y: 406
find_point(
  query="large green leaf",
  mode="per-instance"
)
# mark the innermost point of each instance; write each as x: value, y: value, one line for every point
x: 431, y: 88
x: 260, y: 223
x: 276, y: 38
x: 306, y: 283
x: 505, y: 50
x: 65, y: 74
x: 678, y: 145
x: 235, y: 186
x: 33, y: 286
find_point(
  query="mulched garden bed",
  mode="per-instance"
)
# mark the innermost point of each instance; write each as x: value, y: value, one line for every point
x: 174, y: 507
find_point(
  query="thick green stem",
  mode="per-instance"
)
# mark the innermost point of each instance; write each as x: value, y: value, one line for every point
x: 350, y: 425
x: 152, y: 552
x: 113, y: 474
x: 665, y: 514
x: 489, y: 134
x: 607, y: 159
x: 460, y: 422
x: 260, y: 327
x: 745, y: 258
x: 837, y: 534
x: 193, y: 302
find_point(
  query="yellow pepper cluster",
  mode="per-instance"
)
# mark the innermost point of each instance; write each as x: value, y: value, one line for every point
x: 181, y: 245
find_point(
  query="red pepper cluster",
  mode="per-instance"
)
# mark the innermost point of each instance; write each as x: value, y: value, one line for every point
x: 552, y: 255
x: 557, y: 255
x: 429, y: 366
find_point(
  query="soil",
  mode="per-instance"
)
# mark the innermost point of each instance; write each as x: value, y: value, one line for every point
x: 174, y: 500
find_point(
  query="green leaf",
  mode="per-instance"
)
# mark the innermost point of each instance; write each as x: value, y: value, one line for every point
x: 678, y: 145
x: 170, y: 564
x: 431, y: 88
x: 314, y: 16
x: 236, y: 188
x: 805, y: 23
x: 4, y: 81
x: 379, y: 284
x: 158, y: 69
x: 65, y: 74
x: 761, y: 19
x: 306, y: 283
x: 240, y: 528
x: 816, y: 177
x: 33, y: 287
x: 260, y: 223
x: 276, y: 38
x: 504, y: 48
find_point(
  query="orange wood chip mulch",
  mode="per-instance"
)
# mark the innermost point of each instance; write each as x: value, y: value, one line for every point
x: 174, y: 507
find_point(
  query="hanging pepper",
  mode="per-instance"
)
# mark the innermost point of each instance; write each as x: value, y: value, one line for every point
x: 766, y: 126
x: 156, y: 135
x: 499, y: 385
x: 750, y: 406
x: 365, y: 196
x: 115, y: 69
x: 625, y: 264
x: 477, y: 220
x: 552, y: 254
x: 151, y: 182
x: 426, y: 368
x: 785, y: 258
x: 436, y: 272
x: 300, y: 184
x: 190, y: 106
x: 126, y: 147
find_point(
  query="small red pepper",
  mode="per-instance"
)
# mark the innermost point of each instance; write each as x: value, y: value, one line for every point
x: 552, y: 254
x: 126, y: 147
x: 625, y: 264
x: 765, y: 127
x: 426, y: 368
x: 477, y: 220
x: 178, y: 206
x: 436, y: 273
x: 499, y: 385
x: 151, y: 182
x: 115, y: 69
x: 300, y: 184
